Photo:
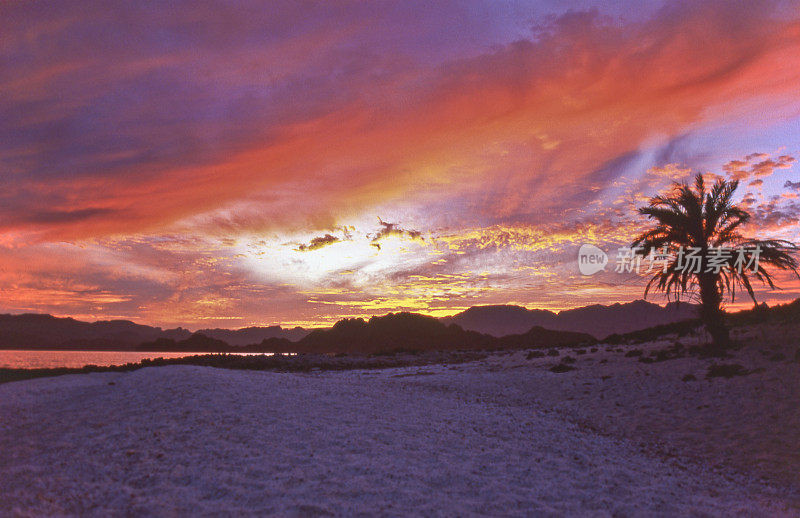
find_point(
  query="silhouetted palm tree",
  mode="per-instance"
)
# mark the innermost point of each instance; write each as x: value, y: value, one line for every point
x: 708, y: 223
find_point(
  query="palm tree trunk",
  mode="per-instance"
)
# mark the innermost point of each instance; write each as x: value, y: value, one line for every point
x: 711, y: 312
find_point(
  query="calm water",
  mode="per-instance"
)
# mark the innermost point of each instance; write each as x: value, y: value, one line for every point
x: 49, y: 359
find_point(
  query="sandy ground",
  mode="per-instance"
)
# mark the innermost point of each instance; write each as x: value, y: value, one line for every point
x: 500, y: 436
x: 750, y: 423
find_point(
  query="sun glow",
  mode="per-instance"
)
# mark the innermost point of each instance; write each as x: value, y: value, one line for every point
x: 356, y: 256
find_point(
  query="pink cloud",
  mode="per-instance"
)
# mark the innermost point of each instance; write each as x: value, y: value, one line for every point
x: 376, y: 125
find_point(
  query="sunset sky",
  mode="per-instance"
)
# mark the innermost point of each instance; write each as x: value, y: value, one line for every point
x: 245, y: 163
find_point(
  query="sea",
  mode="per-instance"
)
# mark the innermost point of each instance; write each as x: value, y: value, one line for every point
x: 51, y: 359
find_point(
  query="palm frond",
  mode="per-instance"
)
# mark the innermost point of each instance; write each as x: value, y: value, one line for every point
x: 696, y: 216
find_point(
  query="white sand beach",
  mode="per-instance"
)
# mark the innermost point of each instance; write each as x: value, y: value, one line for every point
x: 500, y: 436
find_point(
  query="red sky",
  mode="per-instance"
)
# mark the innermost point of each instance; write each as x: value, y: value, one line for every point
x: 297, y: 162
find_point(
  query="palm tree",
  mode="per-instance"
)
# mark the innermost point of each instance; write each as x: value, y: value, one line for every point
x: 708, y: 223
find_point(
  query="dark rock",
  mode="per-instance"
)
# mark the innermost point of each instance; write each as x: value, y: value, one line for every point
x: 726, y: 370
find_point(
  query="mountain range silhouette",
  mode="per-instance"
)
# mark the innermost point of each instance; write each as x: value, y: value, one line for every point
x: 479, y: 327
x: 597, y: 320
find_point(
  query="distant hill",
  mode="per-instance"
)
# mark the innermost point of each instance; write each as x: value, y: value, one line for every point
x: 597, y: 320
x: 414, y: 332
x: 501, y: 320
x: 35, y: 331
x: 254, y: 335
x: 392, y: 332
x: 197, y: 342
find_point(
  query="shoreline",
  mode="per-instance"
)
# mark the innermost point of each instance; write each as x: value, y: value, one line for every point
x: 277, y: 362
